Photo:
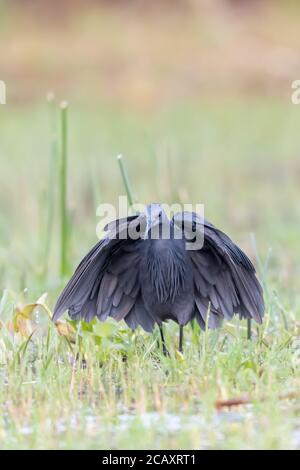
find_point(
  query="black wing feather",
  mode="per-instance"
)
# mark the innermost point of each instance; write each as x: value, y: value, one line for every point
x: 224, y: 277
x: 106, y: 282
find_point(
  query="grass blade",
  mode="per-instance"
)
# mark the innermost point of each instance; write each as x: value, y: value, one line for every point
x: 249, y: 329
x: 126, y: 181
x: 63, y: 190
x: 51, y: 181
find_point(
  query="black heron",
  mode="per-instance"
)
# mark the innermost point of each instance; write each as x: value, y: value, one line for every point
x: 143, y: 272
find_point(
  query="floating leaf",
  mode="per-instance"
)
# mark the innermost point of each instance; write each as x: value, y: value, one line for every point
x: 179, y: 356
x: 104, y: 330
x: 67, y: 330
x: 21, y: 321
x: 28, y: 309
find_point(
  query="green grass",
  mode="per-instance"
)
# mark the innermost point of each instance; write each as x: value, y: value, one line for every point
x: 241, y: 158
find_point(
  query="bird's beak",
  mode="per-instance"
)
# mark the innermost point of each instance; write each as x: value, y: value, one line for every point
x: 150, y: 225
x: 147, y: 228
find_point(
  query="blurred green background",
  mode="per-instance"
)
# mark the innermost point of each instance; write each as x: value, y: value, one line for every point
x: 195, y: 94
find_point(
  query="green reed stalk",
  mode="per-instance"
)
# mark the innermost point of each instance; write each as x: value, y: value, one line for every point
x: 63, y: 189
x: 126, y: 181
x: 51, y: 181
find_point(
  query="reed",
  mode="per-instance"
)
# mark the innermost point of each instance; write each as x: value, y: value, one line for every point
x: 126, y: 180
x: 64, y: 235
x: 50, y: 203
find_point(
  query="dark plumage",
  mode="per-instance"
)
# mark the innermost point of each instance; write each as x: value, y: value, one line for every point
x: 149, y: 279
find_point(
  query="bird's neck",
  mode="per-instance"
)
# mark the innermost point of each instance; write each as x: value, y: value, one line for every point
x: 166, y: 268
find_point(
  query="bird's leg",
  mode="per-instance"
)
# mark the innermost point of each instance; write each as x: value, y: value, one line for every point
x: 181, y: 338
x: 165, y: 351
x: 249, y: 330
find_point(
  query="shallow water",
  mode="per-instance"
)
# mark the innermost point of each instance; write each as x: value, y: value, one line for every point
x: 212, y: 431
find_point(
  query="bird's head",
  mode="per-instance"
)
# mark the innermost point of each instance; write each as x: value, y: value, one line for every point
x: 187, y: 220
x: 155, y: 217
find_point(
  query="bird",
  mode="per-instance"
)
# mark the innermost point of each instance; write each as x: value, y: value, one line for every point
x: 148, y: 269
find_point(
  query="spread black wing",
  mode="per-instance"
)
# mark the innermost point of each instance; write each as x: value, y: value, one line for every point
x: 106, y: 282
x: 225, y: 282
